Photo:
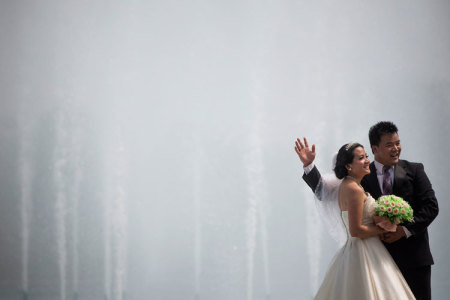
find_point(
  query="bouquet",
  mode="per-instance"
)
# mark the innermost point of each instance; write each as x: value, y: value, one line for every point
x: 394, y: 210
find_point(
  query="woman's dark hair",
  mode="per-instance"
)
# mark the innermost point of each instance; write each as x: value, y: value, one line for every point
x: 379, y: 129
x: 345, y: 156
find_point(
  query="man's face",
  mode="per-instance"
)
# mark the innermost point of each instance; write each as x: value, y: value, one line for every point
x: 388, y: 150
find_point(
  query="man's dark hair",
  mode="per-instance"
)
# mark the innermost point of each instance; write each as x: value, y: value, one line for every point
x: 379, y: 129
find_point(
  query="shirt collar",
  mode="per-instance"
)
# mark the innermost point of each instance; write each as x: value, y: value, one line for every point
x: 379, y: 167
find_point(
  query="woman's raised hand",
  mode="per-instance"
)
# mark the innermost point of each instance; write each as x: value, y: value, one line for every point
x: 305, y: 154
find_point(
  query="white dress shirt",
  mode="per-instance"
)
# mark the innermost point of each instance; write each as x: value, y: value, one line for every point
x: 380, y: 174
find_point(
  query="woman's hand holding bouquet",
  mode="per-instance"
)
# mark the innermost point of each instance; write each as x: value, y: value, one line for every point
x: 392, y: 210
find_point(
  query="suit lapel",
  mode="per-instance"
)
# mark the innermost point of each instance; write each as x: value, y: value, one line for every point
x: 371, y: 184
x: 399, y: 178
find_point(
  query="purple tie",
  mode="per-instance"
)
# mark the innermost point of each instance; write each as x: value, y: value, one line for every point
x: 387, y: 182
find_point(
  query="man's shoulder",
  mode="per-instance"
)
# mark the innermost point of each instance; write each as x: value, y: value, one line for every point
x: 404, y: 162
x: 409, y: 165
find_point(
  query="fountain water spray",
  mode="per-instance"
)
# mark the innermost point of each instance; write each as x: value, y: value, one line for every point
x: 75, y: 195
x: 197, y: 222
x: 60, y: 165
x: 265, y: 254
x: 107, y: 246
x: 313, y: 231
x: 118, y: 222
x: 251, y: 243
x: 25, y: 202
x: 256, y: 216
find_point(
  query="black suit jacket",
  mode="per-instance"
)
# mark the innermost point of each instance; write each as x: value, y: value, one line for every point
x: 412, y: 184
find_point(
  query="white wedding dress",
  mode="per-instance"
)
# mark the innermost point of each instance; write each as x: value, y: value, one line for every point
x: 363, y: 268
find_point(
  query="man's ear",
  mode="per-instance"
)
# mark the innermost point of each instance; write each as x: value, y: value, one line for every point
x: 374, y: 149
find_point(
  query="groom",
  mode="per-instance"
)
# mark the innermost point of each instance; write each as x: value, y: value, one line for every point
x: 409, y: 245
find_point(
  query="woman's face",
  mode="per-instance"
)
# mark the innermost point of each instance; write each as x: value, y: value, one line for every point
x: 360, y: 164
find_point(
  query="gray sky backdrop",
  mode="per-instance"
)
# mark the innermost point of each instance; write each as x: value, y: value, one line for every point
x: 146, y: 147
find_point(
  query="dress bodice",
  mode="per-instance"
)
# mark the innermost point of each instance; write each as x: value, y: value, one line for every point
x: 369, y: 208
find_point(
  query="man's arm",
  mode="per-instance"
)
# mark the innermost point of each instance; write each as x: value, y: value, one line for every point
x: 312, y: 178
x: 426, y: 206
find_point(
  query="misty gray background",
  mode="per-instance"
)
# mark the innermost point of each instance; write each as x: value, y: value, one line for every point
x: 147, y: 147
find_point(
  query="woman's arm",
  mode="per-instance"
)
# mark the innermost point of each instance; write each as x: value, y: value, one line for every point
x: 355, y: 205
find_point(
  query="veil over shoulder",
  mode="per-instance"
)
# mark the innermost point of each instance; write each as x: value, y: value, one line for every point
x: 326, y: 196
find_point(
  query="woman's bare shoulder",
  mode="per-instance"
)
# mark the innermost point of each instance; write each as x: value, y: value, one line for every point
x: 352, y: 189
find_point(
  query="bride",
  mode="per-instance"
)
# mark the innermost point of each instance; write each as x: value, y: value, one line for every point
x: 362, y: 268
